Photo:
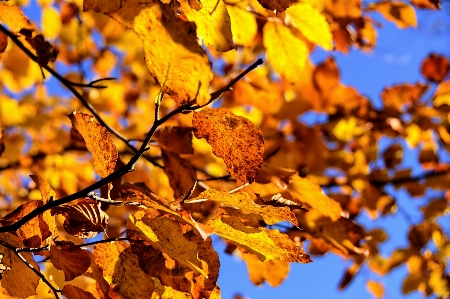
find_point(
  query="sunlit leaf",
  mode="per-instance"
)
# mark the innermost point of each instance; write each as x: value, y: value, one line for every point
x: 243, y: 25
x: 401, y: 13
x: 273, y: 271
x: 233, y: 138
x: 375, y: 288
x: 14, y: 18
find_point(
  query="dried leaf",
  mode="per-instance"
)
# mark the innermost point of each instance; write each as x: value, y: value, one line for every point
x: 175, y: 139
x: 285, y: 52
x: 98, y: 142
x: 14, y: 18
x: 44, y: 50
x: 242, y: 201
x: 3, y: 42
x: 35, y: 231
x: 213, y: 23
x: 84, y: 219
x: 276, y: 5
x: 429, y: 4
x: 398, y: 97
x: 233, y: 138
x: 266, y: 244
x: 326, y: 76
x: 163, y: 292
x: 18, y: 279
x: 71, y: 259
x: 435, y: 67
x: 181, y: 173
x: 166, y: 235
x: 306, y: 191
x: 273, y: 271
x: 281, y: 177
x: 401, y: 13
x: 73, y: 292
x: 312, y: 24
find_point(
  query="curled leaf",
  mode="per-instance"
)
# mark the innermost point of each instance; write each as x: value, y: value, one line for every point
x: 233, y: 138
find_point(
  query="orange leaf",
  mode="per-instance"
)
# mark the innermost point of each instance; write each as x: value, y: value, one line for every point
x: 375, y: 288
x: 273, y: 271
x: 17, y: 278
x: 175, y: 139
x: 278, y: 5
x: 233, y: 138
x: 3, y: 42
x: 281, y: 177
x: 35, y: 231
x: 306, y: 191
x: 98, y: 142
x: 72, y: 260
x: 401, y: 13
x: 174, y: 165
x: 2, y: 144
x: 73, y: 292
x: 84, y: 219
x: 14, y: 18
x: 242, y: 201
x: 429, y: 4
x: 435, y: 67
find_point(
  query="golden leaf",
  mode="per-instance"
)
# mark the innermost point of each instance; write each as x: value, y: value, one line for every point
x: 306, y: 191
x: 72, y: 260
x: 48, y: 194
x: 98, y: 142
x: 233, y: 138
x: 312, y: 24
x: 51, y: 22
x: 164, y: 292
x: 18, y: 279
x: 14, y: 18
x: 242, y: 201
x: 266, y: 244
x: 375, y: 288
x: 401, y: 13
x: 73, y: 292
x: 213, y: 23
x: 166, y: 235
x: 285, y: 52
x: 243, y: 25
x: 273, y: 271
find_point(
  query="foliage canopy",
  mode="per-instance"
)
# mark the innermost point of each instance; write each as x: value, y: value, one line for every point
x: 197, y: 136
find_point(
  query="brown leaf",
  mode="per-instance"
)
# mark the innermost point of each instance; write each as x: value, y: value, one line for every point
x: 242, y: 201
x: 98, y: 142
x: 233, y: 138
x: 3, y: 42
x: 18, y: 279
x: 175, y: 139
x: 84, y: 219
x: 73, y: 292
x: 181, y: 173
x: 435, y: 67
x: 44, y: 50
x: 280, y: 176
x: 35, y: 231
x: 278, y: 5
x: 399, y: 97
x: 72, y: 260
x: 326, y: 76
x: 428, y: 4
x: 2, y: 143
x: 273, y: 271
x: 348, y: 276
x: 401, y: 13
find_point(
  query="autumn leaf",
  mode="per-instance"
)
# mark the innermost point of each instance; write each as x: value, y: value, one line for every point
x: 273, y: 271
x: 173, y: 166
x: 73, y: 292
x: 242, y: 201
x: 84, y: 219
x: 163, y: 292
x: 306, y: 191
x: 401, y: 13
x: 269, y: 173
x: 175, y: 139
x: 3, y: 43
x: 165, y: 234
x: 14, y: 18
x: 276, y: 5
x: 71, y: 259
x: 48, y: 194
x: 98, y: 142
x: 375, y: 288
x: 213, y: 23
x: 312, y: 24
x: 35, y: 231
x: 285, y: 52
x: 429, y: 4
x: 243, y: 25
x: 233, y: 138
x: 18, y: 279
x: 435, y: 67
x: 266, y: 244
x: 2, y: 143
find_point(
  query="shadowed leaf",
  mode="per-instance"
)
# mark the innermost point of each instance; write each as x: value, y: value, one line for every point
x: 72, y: 260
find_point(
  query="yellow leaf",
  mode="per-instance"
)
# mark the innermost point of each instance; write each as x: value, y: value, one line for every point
x: 266, y: 244
x: 375, y: 288
x: 286, y: 52
x: 233, y: 138
x: 18, y: 279
x: 273, y: 271
x: 98, y: 142
x: 51, y: 22
x: 14, y: 18
x: 306, y: 191
x: 242, y: 201
x: 213, y: 23
x: 401, y: 13
x: 167, y: 292
x: 312, y: 24
x: 165, y: 234
x: 243, y: 25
